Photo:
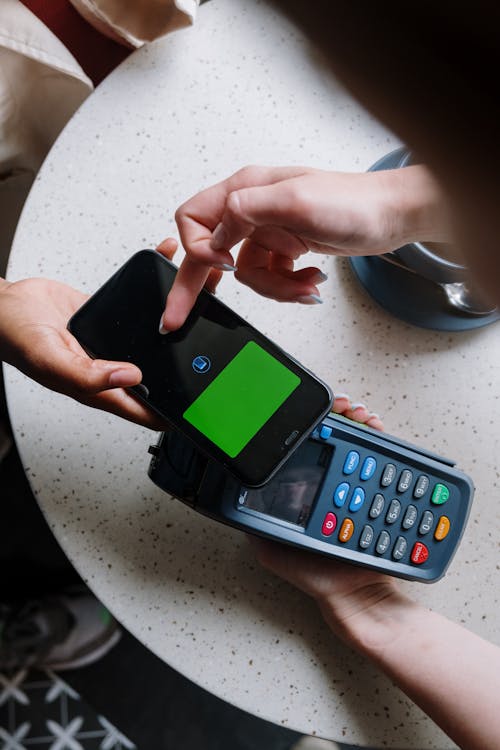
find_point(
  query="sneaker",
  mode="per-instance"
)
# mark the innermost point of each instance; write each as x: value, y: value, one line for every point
x: 58, y: 632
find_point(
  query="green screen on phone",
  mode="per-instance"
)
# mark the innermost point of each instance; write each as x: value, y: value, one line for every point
x: 240, y: 400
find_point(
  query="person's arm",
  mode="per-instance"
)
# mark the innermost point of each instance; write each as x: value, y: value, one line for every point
x: 452, y: 674
x: 282, y: 213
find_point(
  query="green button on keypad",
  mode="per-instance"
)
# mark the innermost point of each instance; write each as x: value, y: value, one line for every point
x: 440, y: 494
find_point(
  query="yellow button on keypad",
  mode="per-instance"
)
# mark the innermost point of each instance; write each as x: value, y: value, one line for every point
x: 346, y: 530
x: 442, y: 528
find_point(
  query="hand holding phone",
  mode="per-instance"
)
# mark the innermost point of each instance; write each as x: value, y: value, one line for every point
x: 33, y: 338
x: 243, y: 401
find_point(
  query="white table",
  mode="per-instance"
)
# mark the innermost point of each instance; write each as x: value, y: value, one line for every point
x: 240, y: 87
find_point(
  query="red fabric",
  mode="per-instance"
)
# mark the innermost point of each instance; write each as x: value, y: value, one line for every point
x: 97, y: 54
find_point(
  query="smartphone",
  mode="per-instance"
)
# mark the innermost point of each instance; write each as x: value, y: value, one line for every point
x: 241, y: 399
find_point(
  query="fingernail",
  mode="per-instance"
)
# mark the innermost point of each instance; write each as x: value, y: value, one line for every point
x: 374, y: 415
x: 122, y: 378
x: 162, y: 328
x: 321, y: 276
x: 357, y: 406
x: 310, y: 299
x: 224, y: 267
x: 342, y: 395
x: 219, y: 237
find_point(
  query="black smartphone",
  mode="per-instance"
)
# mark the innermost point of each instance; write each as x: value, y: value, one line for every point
x: 241, y: 399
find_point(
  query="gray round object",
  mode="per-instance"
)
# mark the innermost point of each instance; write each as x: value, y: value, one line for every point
x: 405, y: 289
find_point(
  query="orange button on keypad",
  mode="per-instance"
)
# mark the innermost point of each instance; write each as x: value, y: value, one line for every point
x: 346, y: 530
x: 442, y: 528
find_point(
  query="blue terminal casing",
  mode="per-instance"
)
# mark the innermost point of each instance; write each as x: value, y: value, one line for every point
x: 347, y: 492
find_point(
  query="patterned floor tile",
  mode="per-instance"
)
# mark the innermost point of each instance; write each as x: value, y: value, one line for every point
x: 39, y: 710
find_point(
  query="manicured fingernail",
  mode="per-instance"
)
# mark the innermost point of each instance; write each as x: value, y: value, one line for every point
x: 342, y: 395
x: 321, y: 276
x: 357, y: 406
x: 219, y: 237
x: 122, y: 378
x: 373, y: 415
x: 310, y: 299
x: 224, y: 267
x: 162, y: 328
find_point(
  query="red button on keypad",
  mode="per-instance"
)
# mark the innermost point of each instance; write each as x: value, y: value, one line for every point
x: 329, y: 524
x: 419, y: 553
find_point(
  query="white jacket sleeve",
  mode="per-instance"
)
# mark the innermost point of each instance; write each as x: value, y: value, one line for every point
x: 133, y: 22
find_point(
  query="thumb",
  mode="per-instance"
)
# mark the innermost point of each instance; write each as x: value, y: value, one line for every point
x: 79, y: 376
x: 114, y: 375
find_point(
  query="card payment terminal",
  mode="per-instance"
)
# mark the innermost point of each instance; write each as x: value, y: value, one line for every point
x: 347, y: 492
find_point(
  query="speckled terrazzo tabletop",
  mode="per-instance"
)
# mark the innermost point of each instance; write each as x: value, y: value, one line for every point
x: 240, y: 87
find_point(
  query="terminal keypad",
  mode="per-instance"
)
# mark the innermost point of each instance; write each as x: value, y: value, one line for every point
x: 383, y: 508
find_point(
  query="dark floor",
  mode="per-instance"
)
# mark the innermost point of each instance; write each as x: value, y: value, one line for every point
x: 158, y: 708
x: 151, y: 704
x: 128, y: 700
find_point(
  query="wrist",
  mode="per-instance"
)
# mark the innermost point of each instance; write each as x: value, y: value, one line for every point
x: 372, y: 617
x: 415, y: 207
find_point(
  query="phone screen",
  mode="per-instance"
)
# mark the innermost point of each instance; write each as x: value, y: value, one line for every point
x: 255, y: 384
x: 239, y: 397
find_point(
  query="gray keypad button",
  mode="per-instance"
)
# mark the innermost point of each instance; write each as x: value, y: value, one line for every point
x: 366, y: 537
x: 410, y: 517
x: 426, y: 522
x: 405, y: 480
x: 377, y: 505
x: 383, y: 542
x: 399, y: 548
x: 388, y: 475
x: 421, y: 486
x: 393, y: 512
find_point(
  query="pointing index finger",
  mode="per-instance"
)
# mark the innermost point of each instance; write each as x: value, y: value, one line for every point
x: 189, y: 282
